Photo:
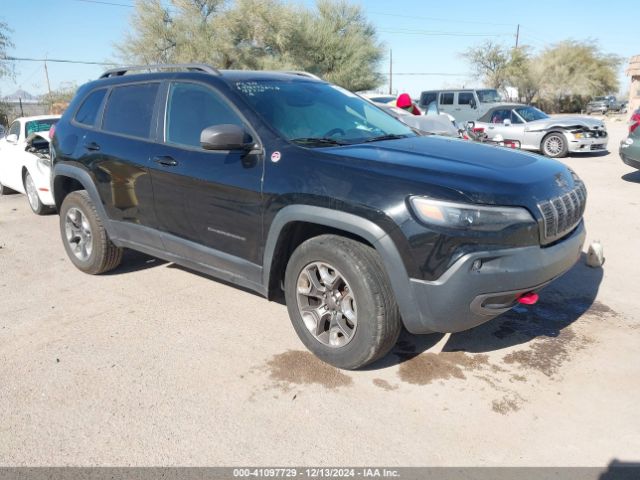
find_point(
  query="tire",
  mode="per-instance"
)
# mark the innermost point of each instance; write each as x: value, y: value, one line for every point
x: 5, y: 190
x: 554, y: 145
x: 35, y: 203
x: 84, y: 236
x: 372, y: 319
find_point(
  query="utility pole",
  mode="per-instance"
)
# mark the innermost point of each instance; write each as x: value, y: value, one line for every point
x: 517, y: 35
x: 390, y: 72
x: 46, y: 74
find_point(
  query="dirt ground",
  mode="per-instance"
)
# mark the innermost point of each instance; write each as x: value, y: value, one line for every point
x: 156, y: 365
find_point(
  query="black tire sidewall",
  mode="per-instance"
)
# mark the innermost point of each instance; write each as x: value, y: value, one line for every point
x: 356, y: 271
x: 81, y: 202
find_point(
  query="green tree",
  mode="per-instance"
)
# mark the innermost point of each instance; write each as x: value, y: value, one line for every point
x: 59, y: 98
x: 335, y: 41
x: 489, y: 61
x: 6, y: 67
x: 576, y: 69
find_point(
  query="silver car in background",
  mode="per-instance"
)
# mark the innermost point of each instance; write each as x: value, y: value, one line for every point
x: 537, y: 131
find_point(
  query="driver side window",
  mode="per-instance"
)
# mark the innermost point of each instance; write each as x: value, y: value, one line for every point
x: 15, y: 129
x: 191, y: 108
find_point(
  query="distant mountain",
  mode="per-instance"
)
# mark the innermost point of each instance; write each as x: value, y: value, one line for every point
x: 20, y: 94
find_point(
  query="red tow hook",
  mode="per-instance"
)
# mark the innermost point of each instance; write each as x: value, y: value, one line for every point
x: 529, y: 298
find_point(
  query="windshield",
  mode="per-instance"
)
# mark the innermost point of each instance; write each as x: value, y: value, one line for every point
x: 40, y: 125
x: 530, y: 114
x: 320, y: 114
x: 488, y: 96
x: 599, y: 99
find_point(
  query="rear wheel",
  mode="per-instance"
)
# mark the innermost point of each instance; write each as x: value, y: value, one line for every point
x: 554, y: 145
x: 85, y: 238
x: 340, y: 301
x: 35, y: 203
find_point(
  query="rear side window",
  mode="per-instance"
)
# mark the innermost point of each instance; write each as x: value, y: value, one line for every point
x: 129, y: 110
x: 192, y: 108
x: 465, y: 98
x: 427, y: 98
x: 446, y: 99
x: 88, y: 111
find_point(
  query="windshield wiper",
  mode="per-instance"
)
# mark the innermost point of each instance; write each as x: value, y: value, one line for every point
x: 319, y: 141
x: 391, y: 136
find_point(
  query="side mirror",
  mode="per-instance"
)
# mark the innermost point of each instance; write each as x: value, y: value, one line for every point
x: 506, y: 122
x: 473, y: 103
x: 12, y: 138
x: 225, y: 137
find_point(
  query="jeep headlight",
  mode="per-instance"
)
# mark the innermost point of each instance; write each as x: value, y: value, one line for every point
x: 484, y: 218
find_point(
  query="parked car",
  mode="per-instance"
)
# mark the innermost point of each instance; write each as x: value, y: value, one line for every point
x: 605, y: 104
x: 25, y: 166
x: 464, y: 105
x: 433, y: 123
x: 537, y: 131
x: 630, y: 146
x: 285, y: 184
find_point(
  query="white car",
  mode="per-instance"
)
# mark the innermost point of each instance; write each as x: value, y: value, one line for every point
x: 25, y: 165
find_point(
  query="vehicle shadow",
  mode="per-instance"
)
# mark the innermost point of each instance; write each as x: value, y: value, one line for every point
x: 633, y: 177
x: 134, y: 261
x: 217, y: 280
x: 597, y: 153
x: 561, y: 304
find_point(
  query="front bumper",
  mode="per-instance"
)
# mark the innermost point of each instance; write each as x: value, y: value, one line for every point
x: 466, y: 296
x: 586, y: 144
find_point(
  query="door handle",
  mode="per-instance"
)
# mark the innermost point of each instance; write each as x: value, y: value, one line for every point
x: 165, y: 160
x: 92, y: 146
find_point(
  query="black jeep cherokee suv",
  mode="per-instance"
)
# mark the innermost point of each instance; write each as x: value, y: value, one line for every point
x: 280, y: 181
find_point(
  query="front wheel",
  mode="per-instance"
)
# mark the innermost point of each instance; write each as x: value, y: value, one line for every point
x: 35, y: 203
x: 340, y: 301
x: 85, y: 238
x: 554, y: 145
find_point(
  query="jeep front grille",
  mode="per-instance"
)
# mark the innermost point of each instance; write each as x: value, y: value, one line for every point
x: 561, y: 214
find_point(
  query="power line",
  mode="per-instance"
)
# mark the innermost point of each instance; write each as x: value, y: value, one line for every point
x: 444, y: 34
x: 101, y: 2
x: 54, y: 60
x: 434, y: 74
x: 386, y: 14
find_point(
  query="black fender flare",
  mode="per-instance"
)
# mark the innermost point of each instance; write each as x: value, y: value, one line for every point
x: 355, y: 225
x: 82, y: 177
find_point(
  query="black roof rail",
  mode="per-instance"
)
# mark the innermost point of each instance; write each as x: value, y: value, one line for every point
x: 302, y: 74
x: 198, y: 67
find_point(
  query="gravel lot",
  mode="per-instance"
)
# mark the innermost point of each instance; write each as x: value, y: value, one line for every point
x: 156, y: 365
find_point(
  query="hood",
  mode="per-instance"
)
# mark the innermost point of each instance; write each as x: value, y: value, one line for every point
x: 38, y: 136
x: 467, y: 170
x: 568, y: 122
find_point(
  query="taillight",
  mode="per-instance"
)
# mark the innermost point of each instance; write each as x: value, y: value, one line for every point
x: 478, y: 129
x: 635, y: 122
x: 52, y: 131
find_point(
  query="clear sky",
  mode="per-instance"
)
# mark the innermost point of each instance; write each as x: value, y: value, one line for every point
x: 82, y: 30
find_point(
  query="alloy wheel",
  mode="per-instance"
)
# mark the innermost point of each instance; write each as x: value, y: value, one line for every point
x: 327, y: 304
x: 553, y: 145
x: 78, y: 234
x: 32, y: 193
